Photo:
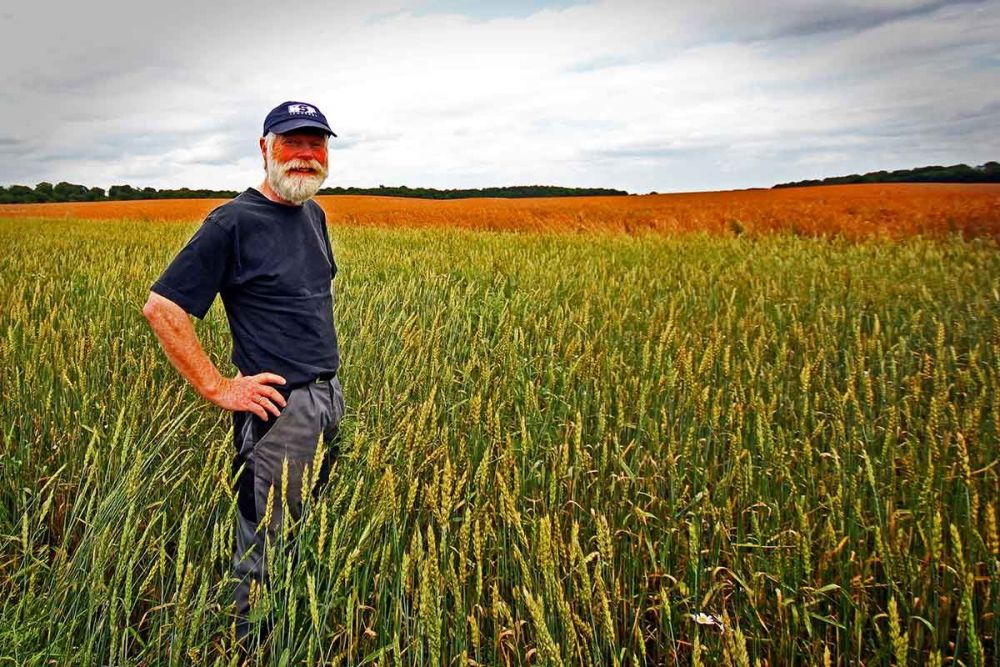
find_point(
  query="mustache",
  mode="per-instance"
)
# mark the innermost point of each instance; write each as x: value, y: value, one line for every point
x: 296, y: 187
x: 315, y: 165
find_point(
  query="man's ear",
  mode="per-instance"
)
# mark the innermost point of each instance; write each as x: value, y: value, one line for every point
x: 263, y: 152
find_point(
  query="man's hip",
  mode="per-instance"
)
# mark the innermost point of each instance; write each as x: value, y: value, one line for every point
x: 265, y: 449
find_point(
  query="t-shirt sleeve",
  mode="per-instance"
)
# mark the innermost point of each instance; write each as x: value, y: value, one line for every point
x: 329, y: 248
x: 199, y: 270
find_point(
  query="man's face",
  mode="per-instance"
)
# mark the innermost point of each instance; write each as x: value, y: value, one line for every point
x: 297, y: 164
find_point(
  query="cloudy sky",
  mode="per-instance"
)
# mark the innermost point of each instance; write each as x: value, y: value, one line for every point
x: 632, y: 94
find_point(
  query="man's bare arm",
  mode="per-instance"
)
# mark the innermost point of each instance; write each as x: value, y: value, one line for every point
x: 177, y: 336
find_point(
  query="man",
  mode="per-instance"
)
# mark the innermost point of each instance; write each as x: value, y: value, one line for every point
x: 267, y: 252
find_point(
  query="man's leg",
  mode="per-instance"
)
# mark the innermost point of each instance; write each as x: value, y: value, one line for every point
x: 248, y: 560
x: 331, y: 433
x: 248, y: 566
x: 311, y: 411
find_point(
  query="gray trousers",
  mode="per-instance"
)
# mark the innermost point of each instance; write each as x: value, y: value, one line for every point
x: 312, y: 410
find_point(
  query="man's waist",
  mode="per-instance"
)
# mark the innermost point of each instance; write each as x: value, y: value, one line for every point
x: 298, y: 380
x: 319, y: 378
x: 296, y: 372
x: 323, y: 377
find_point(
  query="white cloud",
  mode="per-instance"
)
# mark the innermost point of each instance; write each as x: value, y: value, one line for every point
x: 631, y: 94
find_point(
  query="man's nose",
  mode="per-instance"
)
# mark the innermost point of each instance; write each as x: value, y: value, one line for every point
x: 311, y: 153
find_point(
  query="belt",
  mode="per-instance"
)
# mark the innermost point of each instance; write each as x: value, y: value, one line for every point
x: 322, y: 378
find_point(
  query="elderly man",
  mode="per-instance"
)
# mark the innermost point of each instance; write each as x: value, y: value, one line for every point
x: 267, y: 252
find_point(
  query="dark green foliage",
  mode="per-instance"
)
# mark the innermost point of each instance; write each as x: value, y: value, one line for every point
x: 22, y: 194
x: 956, y: 173
x: 126, y: 192
x: 43, y: 191
x: 70, y: 192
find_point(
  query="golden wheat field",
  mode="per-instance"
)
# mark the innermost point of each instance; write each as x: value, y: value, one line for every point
x: 855, y: 211
x: 618, y: 446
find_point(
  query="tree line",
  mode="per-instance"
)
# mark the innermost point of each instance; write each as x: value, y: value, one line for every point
x: 68, y: 192
x: 956, y: 173
x: 72, y: 192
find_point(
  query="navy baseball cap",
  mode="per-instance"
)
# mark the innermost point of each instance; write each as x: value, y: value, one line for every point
x: 289, y: 116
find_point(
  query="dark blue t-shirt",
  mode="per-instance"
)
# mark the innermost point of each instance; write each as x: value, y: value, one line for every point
x: 273, y: 266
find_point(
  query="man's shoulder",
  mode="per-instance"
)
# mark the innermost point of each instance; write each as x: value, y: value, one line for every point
x: 227, y: 215
x: 315, y: 209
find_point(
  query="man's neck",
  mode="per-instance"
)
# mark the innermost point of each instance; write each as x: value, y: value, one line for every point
x: 266, y: 190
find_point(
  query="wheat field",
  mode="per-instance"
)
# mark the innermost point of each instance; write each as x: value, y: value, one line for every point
x: 560, y: 449
x: 885, y: 210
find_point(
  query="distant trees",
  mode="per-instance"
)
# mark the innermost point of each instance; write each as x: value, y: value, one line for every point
x: 956, y: 173
x: 69, y: 192
x: 44, y: 191
x: 120, y: 192
x: 127, y: 192
x: 22, y: 193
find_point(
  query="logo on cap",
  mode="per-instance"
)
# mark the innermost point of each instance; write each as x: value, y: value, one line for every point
x: 302, y: 108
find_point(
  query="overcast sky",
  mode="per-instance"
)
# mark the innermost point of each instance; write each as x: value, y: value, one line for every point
x: 632, y: 94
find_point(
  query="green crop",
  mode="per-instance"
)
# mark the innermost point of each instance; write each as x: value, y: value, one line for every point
x: 559, y: 449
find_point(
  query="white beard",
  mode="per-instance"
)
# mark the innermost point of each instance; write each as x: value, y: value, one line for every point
x: 296, y: 188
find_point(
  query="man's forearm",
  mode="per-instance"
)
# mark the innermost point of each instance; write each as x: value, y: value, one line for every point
x: 177, y: 336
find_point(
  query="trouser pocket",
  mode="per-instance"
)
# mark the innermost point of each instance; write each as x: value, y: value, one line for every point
x: 285, y: 451
x: 249, y: 433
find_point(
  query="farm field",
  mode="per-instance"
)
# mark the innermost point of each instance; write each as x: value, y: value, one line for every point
x: 594, y: 448
x: 853, y: 211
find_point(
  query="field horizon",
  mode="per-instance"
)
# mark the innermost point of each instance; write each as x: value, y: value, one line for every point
x: 853, y: 211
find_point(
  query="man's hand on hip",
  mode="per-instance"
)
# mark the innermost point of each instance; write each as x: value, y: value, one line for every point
x: 251, y: 393
x: 176, y: 334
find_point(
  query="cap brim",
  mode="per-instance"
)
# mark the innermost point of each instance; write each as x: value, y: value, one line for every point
x: 298, y: 124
